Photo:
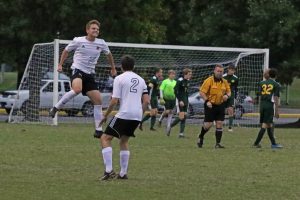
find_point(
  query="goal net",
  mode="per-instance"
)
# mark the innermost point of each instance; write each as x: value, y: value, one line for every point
x: 42, y: 86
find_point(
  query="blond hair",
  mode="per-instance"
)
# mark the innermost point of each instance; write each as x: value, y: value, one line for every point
x: 94, y: 21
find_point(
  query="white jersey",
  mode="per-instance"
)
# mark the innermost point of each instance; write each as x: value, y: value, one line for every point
x: 129, y: 89
x: 86, y: 53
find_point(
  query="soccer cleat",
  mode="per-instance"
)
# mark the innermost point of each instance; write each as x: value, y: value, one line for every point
x: 53, y: 111
x: 141, y: 126
x: 98, y: 134
x: 168, y: 130
x: 200, y: 143
x: 181, y: 135
x: 276, y: 146
x: 230, y: 130
x: 256, y: 146
x: 152, y: 129
x: 219, y: 146
x: 122, y: 177
x: 108, y: 175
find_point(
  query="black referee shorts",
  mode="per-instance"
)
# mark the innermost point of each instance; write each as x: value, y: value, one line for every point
x: 118, y: 127
x: 88, y: 81
x: 216, y: 113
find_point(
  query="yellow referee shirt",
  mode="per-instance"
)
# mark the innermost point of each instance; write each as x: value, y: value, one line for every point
x: 215, y: 89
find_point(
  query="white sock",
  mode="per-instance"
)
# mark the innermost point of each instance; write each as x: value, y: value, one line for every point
x: 98, y: 116
x: 161, y: 117
x: 107, y: 158
x: 67, y: 97
x: 124, y: 159
x: 170, y: 115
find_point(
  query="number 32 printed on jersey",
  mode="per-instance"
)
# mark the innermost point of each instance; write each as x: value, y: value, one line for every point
x: 266, y: 89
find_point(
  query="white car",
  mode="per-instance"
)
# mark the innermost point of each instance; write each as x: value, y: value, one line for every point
x: 75, y: 105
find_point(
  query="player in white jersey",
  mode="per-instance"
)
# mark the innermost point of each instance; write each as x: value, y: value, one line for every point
x: 87, y: 51
x: 131, y: 91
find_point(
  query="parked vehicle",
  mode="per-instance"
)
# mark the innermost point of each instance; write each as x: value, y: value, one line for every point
x: 78, y: 104
x: 244, y: 104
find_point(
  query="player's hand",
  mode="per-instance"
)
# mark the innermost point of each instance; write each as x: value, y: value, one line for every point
x: 103, y: 121
x: 181, y: 103
x: 225, y: 97
x: 59, y: 68
x: 113, y: 72
x: 162, y: 102
x: 209, y: 104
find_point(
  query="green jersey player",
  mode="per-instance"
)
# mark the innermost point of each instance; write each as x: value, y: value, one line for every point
x: 181, y: 92
x: 153, y: 85
x: 269, y: 91
x: 233, y: 82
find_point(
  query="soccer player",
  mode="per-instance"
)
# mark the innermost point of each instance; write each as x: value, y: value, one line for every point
x: 87, y: 51
x: 153, y: 93
x: 233, y: 82
x: 181, y: 92
x: 168, y: 98
x: 215, y: 91
x: 131, y: 91
x: 269, y: 91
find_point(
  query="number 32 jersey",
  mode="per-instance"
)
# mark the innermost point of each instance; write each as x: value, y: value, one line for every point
x: 129, y: 89
x: 268, y: 89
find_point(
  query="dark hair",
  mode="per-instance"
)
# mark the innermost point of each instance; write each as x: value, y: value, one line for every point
x: 272, y: 73
x: 127, y: 63
x: 231, y: 66
x: 157, y: 69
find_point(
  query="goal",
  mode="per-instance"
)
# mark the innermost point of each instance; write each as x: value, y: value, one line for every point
x: 42, y: 86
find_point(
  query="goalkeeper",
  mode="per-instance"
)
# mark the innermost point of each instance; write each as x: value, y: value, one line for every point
x: 168, y: 98
x: 87, y: 51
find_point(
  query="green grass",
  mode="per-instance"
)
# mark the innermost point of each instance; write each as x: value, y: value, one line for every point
x: 9, y: 82
x: 43, y: 162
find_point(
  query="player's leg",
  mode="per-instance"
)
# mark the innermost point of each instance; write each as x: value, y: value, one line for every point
x: 176, y: 120
x: 146, y: 117
x: 170, y: 106
x: 182, y: 117
x: 260, y: 135
x: 107, y: 157
x: 162, y: 116
x: 96, y: 99
x: 76, y: 89
x: 219, y: 133
x: 208, y: 122
x: 124, y: 157
x: 230, y: 116
x: 153, y: 113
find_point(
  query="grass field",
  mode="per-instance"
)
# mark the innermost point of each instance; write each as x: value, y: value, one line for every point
x: 9, y: 81
x: 42, y: 162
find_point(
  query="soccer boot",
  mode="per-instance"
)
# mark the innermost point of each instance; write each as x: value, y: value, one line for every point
x: 122, y: 177
x: 152, y: 129
x: 200, y: 143
x: 219, y: 146
x: 276, y: 146
x: 256, y: 146
x: 107, y: 176
x: 53, y: 111
x: 98, y: 134
x: 141, y: 126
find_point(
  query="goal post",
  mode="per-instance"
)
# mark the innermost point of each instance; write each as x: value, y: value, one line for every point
x: 42, y: 86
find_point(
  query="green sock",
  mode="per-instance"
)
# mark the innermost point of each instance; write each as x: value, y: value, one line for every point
x: 146, y: 118
x: 176, y: 120
x: 153, y: 119
x: 230, y: 122
x: 182, y: 125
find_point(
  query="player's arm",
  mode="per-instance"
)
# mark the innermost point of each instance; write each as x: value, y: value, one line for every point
x: 63, y: 57
x: 178, y: 92
x: 145, y: 101
x: 161, y: 92
x: 151, y: 89
x: 204, y: 90
x: 276, y: 101
x: 111, y: 62
x: 228, y: 91
x: 113, y: 102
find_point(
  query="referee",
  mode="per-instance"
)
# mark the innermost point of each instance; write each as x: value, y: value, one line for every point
x: 215, y: 91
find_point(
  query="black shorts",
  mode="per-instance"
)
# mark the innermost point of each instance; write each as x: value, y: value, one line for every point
x: 170, y: 104
x: 266, y: 113
x: 118, y: 127
x: 154, y: 102
x: 88, y: 81
x: 229, y: 102
x: 216, y: 113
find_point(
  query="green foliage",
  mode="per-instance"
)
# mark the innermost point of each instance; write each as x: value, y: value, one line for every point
x: 273, y: 24
x: 63, y: 162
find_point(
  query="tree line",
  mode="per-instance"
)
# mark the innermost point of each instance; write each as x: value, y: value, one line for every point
x: 272, y: 24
